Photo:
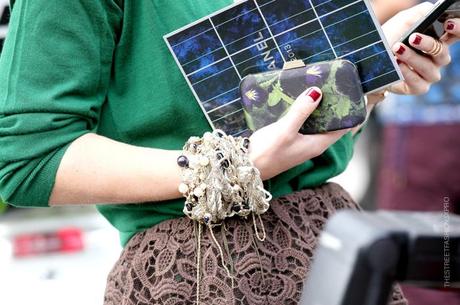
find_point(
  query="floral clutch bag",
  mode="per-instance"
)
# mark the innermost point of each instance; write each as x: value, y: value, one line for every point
x: 267, y: 96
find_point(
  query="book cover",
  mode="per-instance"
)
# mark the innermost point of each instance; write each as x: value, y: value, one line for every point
x: 217, y: 51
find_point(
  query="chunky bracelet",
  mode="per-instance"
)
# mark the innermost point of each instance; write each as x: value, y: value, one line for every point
x: 219, y: 180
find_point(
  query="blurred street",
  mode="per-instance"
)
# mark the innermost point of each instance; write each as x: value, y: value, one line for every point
x: 33, y: 275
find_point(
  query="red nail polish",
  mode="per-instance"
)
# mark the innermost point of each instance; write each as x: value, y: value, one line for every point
x: 398, y: 61
x: 450, y: 25
x: 401, y: 50
x: 314, y: 94
x: 418, y: 39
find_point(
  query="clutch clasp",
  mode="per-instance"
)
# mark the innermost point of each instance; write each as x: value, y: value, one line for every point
x: 293, y: 64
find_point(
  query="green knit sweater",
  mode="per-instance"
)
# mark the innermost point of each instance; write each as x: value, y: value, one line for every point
x: 73, y: 67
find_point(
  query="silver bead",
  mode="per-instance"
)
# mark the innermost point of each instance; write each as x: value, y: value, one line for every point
x: 198, y: 192
x: 183, y: 188
x: 193, y: 162
x: 188, y: 178
x: 204, y: 161
x: 207, y: 136
x: 236, y: 188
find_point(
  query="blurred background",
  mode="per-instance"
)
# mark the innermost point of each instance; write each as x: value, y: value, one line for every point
x: 407, y: 159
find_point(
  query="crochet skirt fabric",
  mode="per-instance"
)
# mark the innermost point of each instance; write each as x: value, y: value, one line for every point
x: 158, y: 266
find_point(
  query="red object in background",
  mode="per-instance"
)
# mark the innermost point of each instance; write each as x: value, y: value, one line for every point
x: 66, y: 240
x: 71, y: 240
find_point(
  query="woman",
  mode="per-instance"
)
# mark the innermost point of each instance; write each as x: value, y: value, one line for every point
x: 93, y: 110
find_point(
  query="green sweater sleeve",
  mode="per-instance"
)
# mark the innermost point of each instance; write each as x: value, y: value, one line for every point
x: 54, y: 73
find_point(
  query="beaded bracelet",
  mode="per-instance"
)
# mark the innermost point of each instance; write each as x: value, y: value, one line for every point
x: 219, y: 181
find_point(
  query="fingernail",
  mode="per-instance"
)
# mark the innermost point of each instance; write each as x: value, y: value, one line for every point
x: 418, y: 39
x: 450, y: 25
x: 401, y: 50
x: 314, y: 94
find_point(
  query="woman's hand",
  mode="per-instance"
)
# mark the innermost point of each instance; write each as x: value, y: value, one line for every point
x: 452, y: 28
x: 420, y: 71
x: 279, y: 146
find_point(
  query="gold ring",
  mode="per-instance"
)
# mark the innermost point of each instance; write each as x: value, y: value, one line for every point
x: 437, y: 49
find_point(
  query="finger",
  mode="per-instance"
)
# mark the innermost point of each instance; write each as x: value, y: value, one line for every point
x: 423, y: 8
x: 301, y: 109
x: 316, y: 144
x: 426, y: 44
x: 422, y: 65
x: 413, y: 83
x: 416, y: 12
x: 404, y: 20
x: 449, y: 39
x: 452, y: 28
x: 327, y: 139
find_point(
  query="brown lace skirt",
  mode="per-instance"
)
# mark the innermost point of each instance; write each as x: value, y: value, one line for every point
x: 158, y: 266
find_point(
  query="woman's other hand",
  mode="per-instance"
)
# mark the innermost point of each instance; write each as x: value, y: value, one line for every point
x: 420, y: 70
x: 279, y: 146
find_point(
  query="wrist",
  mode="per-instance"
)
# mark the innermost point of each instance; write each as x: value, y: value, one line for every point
x: 376, y: 97
x: 264, y: 159
x: 258, y: 160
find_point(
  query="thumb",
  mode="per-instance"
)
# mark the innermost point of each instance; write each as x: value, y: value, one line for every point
x: 301, y: 109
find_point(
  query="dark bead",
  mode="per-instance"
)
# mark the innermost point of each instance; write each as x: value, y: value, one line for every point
x: 246, y: 205
x: 236, y: 208
x: 182, y: 161
x: 206, y: 219
x: 188, y: 206
x: 225, y: 164
x: 246, y: 143
x: 195, y: 198
x: 220, y: 156
x: 220, y: 134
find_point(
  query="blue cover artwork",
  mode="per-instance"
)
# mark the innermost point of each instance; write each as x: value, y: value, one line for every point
x: 253, y: 36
